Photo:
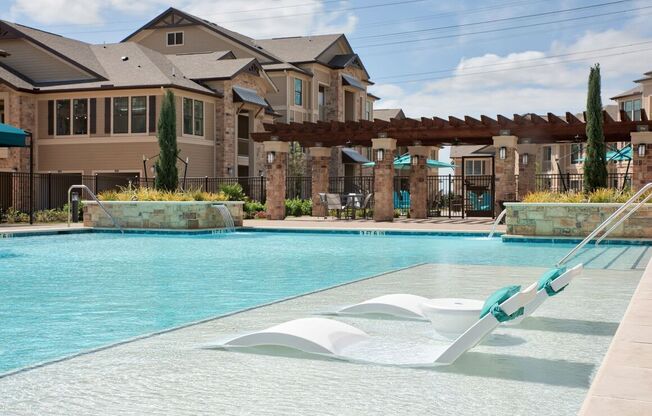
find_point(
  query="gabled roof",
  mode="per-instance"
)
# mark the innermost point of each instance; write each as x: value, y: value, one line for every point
x: 73, y: 51
x: 206, y: 66
x: 284, y: 66
x: 299, y: 48
x: 10, y: 78
x: 241, y: 39
x: 387, y: 114
x: 633, y: 91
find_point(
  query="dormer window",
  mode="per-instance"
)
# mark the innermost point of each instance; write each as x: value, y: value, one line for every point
x: 175, y: 38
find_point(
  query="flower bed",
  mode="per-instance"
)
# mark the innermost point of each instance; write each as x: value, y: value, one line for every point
x: 573, y: 219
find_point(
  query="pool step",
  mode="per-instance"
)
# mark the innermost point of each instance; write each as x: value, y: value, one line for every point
x: 616, y: 258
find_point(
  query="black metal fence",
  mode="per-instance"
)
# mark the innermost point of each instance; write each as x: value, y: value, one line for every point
x: 574, y: 182
x: 351, y: 184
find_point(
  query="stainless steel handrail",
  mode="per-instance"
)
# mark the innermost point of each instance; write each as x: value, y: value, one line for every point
x: 87, y: 189
x: 623, y: 219
x: 605, y: 223
x: 500, y: 217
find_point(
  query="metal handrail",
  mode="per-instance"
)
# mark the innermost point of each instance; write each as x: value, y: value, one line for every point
x: 498, y: 219
x: 623, y: 219
x: 605, y: 223
x: 84, y: 187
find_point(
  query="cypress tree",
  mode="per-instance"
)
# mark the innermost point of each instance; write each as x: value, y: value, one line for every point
x: 167, y: 176
x: 595, y: 163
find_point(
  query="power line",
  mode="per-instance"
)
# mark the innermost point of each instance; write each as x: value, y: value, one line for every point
x: 480, y: 32
x: 439, y: 71
x: 505, y: 19
x: 520, y: 67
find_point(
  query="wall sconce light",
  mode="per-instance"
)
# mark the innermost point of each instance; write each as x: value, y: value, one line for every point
x: 382, y: 135
x: 270, y: 157
x: 415, y: 160
x: 380, y: 155
x: 505, y: 132
x: 229, y: 171
x: 642, y: 127
x: 641, y: 149
x: 274, y: 138
x: 525, y: 158
x: 502, y: 152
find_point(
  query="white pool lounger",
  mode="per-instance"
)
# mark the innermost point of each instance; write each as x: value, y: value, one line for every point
x: 416, y: 307
x: 327, y: 337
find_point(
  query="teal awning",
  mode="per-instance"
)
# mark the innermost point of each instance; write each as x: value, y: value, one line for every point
x: 11, y: 136
x: 405, y: 162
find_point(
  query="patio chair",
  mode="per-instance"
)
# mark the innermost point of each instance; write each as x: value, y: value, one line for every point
x: 334, y: 202
x: 408, y: 306
x: 366, y: 205
x: 337, y: 340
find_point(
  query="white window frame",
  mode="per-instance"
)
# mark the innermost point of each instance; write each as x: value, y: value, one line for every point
x: 631, y: 112
x: 294, y: 92
x: 580, y: 147
x: 88, y: 118
x: 183, y: 109
x: 183, y: 38
x: 129, y: 133
x: 483, y: 167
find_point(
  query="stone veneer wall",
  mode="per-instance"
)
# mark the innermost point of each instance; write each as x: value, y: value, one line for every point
x: 20, y: 111
x: 160, y: 215
x: 573, y: 220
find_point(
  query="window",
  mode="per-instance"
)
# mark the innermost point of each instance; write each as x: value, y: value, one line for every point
x: 80, y: 116
x: 63, y: 117
x: 632, y: 108
x: 121, y: 115
x: 138, y: 114
x: 368, y: 110
x: 577, y: 151
x: 175, y: 38
x: 298, y: 91
x: 243, y: 134
x: 547, y: 154
x: 193, y: 117
x: 321, y: 101
x: 129, y: 115
x: 474, y: 167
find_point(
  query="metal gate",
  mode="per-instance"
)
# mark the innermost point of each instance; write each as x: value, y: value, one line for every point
x: 458, y: 196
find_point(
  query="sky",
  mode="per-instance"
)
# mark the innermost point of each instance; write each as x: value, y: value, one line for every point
x: 428, y: 57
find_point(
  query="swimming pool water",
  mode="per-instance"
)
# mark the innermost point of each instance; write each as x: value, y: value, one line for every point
x: 65, y: 294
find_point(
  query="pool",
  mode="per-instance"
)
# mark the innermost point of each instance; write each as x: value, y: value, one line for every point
x: 65, y: 294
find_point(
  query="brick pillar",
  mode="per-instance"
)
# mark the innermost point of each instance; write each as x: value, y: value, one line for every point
x: 276, y: 174
x: 418, y: 182
x: 384, y: 179
x: 642, y: 165
x: 319, y: 164
x: 526, y: 169
x: 505, y: 170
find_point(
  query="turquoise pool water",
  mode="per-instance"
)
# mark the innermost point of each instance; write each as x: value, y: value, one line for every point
x: 65, y: 294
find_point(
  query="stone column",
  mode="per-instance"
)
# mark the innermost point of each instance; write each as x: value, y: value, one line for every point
x: 319, y: 162
x: 505, y: 170
x: 642, y: 165
x: 418, y: 182
x: 526, y: 169
x: 276, y: 174
x: 384, y: 179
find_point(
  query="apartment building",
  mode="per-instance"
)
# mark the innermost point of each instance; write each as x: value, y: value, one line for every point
x: 94, y: 108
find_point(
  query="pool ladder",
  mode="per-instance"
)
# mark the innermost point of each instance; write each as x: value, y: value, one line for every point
x: 87, y: 189
x: 610, y: 220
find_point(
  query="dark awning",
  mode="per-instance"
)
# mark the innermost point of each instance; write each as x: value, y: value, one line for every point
x: 351, y: 156
x: 246, y: 95
x: 352, y: 81
x: 11, y: 136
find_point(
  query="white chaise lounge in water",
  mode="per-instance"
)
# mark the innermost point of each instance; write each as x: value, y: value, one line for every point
x: 451, y: 316
x: 331, y: 338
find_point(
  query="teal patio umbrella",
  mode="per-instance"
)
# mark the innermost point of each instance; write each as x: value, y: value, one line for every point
x: 11, y: 136
x: 404, y: 161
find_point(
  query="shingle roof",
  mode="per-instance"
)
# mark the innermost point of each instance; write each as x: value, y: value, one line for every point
x: 633, y: 91
x: 387, y: 114
x: 144, y: 67
x: 74, y: 51
x: 299, y: 49
x: 284, y: 66
x: 13, y: 80
x: 206, y: 66
x: 466, y: 150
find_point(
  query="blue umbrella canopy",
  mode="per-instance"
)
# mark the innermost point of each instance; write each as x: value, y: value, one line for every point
x: 11, y: 136
x: 617, y: 155
x: 405, y: 162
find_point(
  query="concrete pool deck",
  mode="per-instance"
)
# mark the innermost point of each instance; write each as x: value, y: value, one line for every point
x: 546, y: 363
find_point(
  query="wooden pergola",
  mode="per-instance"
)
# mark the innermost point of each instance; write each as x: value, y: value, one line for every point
x: 512, y: 137
x: 437, y: 131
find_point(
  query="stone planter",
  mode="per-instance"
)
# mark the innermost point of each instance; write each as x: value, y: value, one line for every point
x: 183, y: 215
x: 573, y: 220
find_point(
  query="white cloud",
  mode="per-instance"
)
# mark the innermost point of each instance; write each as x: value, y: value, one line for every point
x: 255, y: 18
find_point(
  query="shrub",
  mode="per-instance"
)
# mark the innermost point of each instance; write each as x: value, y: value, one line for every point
x: 601, y: 195
x: 51, y: 215
x: 167, y: 175
x: 13, y: 216
x: 233, y: 192
x: 148, y: 194
x: 260, y: 215
x: 609, y: 195
x: 296, y: 207
x: 251, y: 208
